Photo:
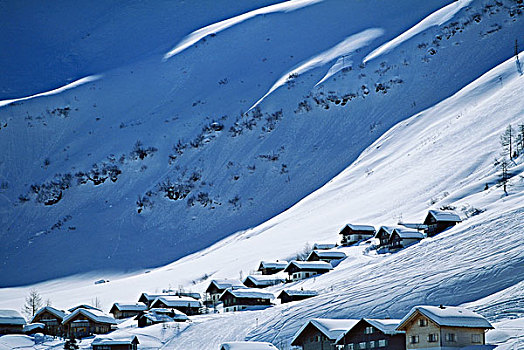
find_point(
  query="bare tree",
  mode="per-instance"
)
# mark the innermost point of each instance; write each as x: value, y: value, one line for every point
x: 504, y: 176
x: 33, y: 302
x: 96, y: 303
x: 519, y: 67
x: 506, y: 139
x: 520, y: 137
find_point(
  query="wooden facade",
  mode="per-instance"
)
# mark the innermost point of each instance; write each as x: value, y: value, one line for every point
x: 217, y: 287
x: 271, y: 267
x: 321, y: 334
x: 11, y: 328
x: 439, y: 221
x: 287, y: 296
x: 121, y: 311
x: 236, y: 302
x: 299, y: 270
x: 352, y: 234
x: 371, y: 335
x: 109, y: 344
x: 384, y: 234
x: 403, y: 238
x: 81, y: 324
x: 52, y: 319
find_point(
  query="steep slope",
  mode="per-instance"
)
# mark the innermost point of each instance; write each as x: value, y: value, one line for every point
x: 412, y: 167
x: 205, y: 170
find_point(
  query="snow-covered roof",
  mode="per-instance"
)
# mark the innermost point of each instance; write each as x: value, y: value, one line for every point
x: 273, y: 264
x: 164, y: 315
x: 310, y: 265
x: 128, y: 307
x: 247, y: 345
x: 112, y: 341
x: 322, y: 246
x: 177, y: 301
x: 58, y: 313
x: 388, y: 229
x: 361, y: 227
x: 331, y: 328
x: 225, y: 284
x: 451, y: 316
x: 251, y: 293
x: 386, y: 326
x: 32, y: 326
x: 408, y: 234
x: 440, y: 215
x: 327, y: 254
x: 92, y: 314
x: 83, y: 306
x: 415, y: 226
x: 264, y: 280
x: 294, y: 292
x: 11, y: 317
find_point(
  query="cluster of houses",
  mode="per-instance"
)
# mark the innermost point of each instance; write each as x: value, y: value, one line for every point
x: 424, y: 327
x: 446, y: 325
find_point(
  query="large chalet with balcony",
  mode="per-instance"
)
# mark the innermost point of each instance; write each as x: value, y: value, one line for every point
x: 379, y: 334
x: 51, y: 318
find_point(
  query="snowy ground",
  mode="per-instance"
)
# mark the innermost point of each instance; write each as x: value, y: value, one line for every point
x: 441, y: 156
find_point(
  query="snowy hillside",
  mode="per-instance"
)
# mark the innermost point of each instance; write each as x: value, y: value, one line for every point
x: 441, y: 156
x: 80, y: 193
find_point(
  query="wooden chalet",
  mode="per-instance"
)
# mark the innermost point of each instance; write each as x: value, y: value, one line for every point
x: 187, y: 305
x: 217, y: 287
x: 154, y: 316
x: 402, y: 238
x: 326, y: 255
x: 299, y: 270
x: 321, y: 333
x: 247, y: 298
x: 324, y: 246
x: 289, y: 295
x: 272, y: 267
x: 245, y: 345
x: 86, y: 322
x: 147, y: 299
x: 11, y: 322
x: 373, y: 334
x: 107, y: 343
x: 352, y: 234
x: 262, y: 281
x: 52, y: 319
x: 120, y: 310
x: 438, y: 221
x: 384, y: 234
x: 443, y: 327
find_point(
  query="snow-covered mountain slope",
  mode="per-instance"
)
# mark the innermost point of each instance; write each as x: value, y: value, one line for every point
x: 244, y: 169
x: 441, y: 156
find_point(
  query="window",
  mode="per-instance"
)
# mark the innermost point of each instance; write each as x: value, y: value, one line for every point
x: 476, y: 338
x: 413, y: 339
x: 350, y: 347
x: 362, y: 345
x: 423, y: 322
x: 372, y: 344
x: 368, y: 330
x: 382, y: 343
x: 451, y: 337
x: 433, y: 338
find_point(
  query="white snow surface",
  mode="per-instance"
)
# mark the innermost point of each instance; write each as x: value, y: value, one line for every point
x: 196, y: 36
x: 344, y: 48
x: 435, y: 19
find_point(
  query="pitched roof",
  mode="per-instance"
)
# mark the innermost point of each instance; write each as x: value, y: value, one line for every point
x: 408, y: 234
x: 164, y: 315
x: 264, y: 280
x: 177, y: 301
x: 360, y: 227
x: 273, y: 264
x: 386, y: 326
x: 111, y: 341
x: 331, y: 328
x: 309, y: 265
x: 247, y: 345
x: 440, y: 215
x: 83, y: 306
x: 451, y: 316
x: 414, y: 226
x: 32, y: 326
x: 92, y: 314
x: 225, y: 284
x: 58, y: 313
x: 327, y: 254
x: 128, y: 307
x: 323, y: 246
x: 294, y: 292
x: 250, y: 293
x: 11, y: 317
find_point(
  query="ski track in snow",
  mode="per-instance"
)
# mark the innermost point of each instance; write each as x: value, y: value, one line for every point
x: 61, y: 89
x: 344, y: 48
x: 214, y: 28
x: 435, y: 19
